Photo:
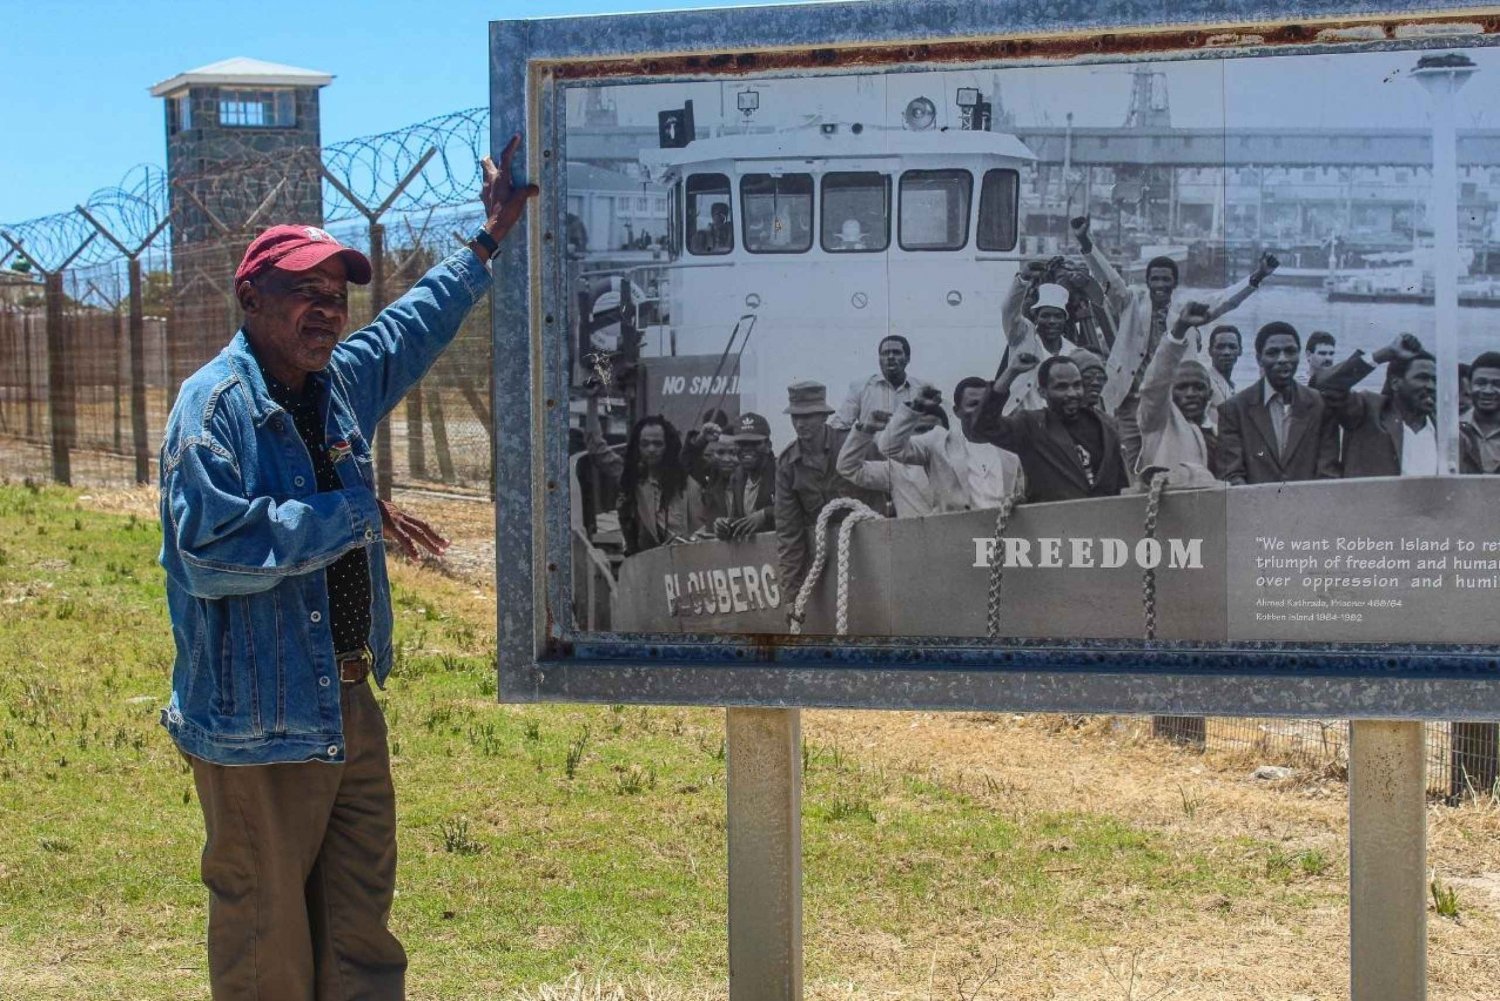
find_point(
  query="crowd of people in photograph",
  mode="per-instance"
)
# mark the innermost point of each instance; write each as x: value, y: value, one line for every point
x: 1102, y: 386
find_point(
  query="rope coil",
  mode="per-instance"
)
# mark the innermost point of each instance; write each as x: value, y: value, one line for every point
x: 858, y: 512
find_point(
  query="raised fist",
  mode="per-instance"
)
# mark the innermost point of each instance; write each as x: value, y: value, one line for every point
x: 1024, y: 361
x: 1080, y: 226
x: 1269, y: 262
x: 928, y: 401
x: 1194, y: 314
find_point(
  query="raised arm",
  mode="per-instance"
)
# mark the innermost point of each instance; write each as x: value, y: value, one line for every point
x: 990, y: 423
x: 1116, y: 292
x: 899, y: 441
x: 1237, y: 293
x: 852, y: 463
x: 1156, y: 383
x: 383, y: 360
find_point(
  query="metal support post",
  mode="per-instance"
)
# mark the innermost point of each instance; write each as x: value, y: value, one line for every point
x: 1387, y: 862
x: 141, y: 445
x: 765, y: 854
x: 384, y: 460
x: 59, y: 384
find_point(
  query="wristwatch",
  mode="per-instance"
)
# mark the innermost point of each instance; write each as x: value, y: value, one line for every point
x: 482, y: 237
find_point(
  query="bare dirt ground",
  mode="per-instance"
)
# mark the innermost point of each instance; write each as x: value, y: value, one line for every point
x: 1106, y: 765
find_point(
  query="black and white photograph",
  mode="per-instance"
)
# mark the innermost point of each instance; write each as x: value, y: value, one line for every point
x: 1200, y: 350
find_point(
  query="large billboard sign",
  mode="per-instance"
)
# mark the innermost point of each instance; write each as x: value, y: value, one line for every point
x: 887, y: 355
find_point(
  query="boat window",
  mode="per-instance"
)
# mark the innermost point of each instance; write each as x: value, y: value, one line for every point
x: 935, y: 209
x: 777, y: 212
x: 674, y: 221
x: 710, y: 226
x: 856, y: 212
x: 997, y: 210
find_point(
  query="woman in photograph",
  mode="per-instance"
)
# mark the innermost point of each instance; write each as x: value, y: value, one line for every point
x: 653, y: 488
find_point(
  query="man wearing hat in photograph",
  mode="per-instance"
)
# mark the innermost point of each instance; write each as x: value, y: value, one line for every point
x: 752, y: 489
x: 280, y: 607
x: 806, y: 479
x: 1043, y: 334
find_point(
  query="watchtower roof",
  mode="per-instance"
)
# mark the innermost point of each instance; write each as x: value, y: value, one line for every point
x: 241, y: 71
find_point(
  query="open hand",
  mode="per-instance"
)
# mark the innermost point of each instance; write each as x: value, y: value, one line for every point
x: 411, y: 534
x: 504, y: 203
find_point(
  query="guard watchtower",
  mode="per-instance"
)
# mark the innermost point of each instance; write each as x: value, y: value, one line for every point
x: 244, y: 151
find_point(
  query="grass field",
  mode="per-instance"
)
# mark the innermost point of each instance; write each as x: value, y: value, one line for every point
x: 551, y: 852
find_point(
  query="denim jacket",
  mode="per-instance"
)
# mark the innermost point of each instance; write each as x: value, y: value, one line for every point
x: 246, y: 534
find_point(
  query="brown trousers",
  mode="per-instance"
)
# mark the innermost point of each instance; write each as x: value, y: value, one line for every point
x: 300, y: 864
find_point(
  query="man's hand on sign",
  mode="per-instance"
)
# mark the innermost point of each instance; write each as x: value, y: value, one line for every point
x: 504, y: 202
x: 411, y: 534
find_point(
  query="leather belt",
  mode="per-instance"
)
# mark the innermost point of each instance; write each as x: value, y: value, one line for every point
x: 353, y: 670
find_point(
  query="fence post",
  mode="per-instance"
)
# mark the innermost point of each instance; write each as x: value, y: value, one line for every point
x: 138, y: 374
x: 138, y: 431
x: 765, y: 854
x: 384, y: 474
x: 1387, y: 861
x: 59, y: 387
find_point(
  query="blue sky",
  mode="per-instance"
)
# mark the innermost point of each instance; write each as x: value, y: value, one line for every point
x: 76, y: 115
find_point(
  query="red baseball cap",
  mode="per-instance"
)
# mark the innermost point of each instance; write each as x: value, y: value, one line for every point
x: 299, y: 248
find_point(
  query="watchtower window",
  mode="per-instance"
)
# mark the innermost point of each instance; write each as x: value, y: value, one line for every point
x: 856, y: 212
x: 997, y: 210
x: 778, y: 213
x: 710, y: 217
x: 257, y: 108
x: 179, y: 114
x: 935, y: 209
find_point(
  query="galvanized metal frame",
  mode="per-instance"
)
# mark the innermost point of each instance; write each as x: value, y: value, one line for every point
x: 541, y: 659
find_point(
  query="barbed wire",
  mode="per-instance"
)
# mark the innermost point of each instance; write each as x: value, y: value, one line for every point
x: 250, y: 185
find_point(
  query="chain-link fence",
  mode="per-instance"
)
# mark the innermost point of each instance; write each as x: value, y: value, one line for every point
x: 104, y: 310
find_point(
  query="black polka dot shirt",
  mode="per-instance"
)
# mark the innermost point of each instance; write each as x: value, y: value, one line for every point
x: 349, y: 576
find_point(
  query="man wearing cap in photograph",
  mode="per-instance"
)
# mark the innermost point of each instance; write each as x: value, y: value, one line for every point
x: 752, y: 489
x: 806, y: 479
x: 280, y: 607
x: 1042, y: 336
x: 885, y: 390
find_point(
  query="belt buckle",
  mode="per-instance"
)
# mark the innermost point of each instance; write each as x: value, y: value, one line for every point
x: 353, y: 670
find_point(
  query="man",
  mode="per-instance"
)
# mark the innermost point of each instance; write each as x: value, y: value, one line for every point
x: 1091, y: 367
x: 1175, y: 393
x: 1275, y: 431
x: 806, y: 479
x: 1224, y: 350
x: 1479, y: 435
x: 964, y: 475
x: 1043, y: 335
x: 1392, y: 432
x: 1067, y: 451
x: 709, y: 499
x: 1321, y: 347
x: 276, y: 587
x: 910, y: 493
x: 752, y: 489
x: 1143, y: 315
x: 885, y: 390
